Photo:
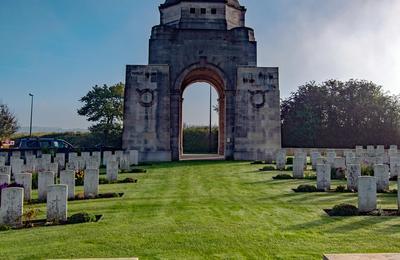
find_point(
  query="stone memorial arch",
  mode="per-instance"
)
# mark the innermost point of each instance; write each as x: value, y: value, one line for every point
x: 202, y: 41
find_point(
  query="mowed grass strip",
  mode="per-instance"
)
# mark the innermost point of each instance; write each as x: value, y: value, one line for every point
x: 208, y: 210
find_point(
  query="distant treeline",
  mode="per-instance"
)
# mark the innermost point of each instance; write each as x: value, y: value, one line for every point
x: 337, y: 114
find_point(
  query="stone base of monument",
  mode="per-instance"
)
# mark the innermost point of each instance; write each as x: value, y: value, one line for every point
x: 361, y: 256
x: 375, y: 213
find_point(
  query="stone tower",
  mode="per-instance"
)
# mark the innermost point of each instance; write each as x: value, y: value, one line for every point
x: 202, y: 41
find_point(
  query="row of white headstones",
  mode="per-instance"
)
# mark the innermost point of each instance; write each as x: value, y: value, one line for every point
x: 367, y: 186
x: 56, y: 195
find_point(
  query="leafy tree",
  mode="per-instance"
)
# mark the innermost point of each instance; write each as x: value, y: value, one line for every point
x: 8, y: 122
x: 104, y: 105
x: 340, y: 114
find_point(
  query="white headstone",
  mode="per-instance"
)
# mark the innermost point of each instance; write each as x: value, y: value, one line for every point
x: 53, y: 167
x: 366, y: 193
x: 380, y: 150
x: 281, y: 159
x: 112, y: 171
x: 67, y: 177
x: 97, y: 156
x: 25, y: 179
x: 12, y: 206
x: 60, y: 159
x: 91, y: 183
x: 46, y: 158
x: 394, y: 161
x: 5, y: 170
x: 353, y: 173
x: 339, y: 162
x: 124, y: 162
x: 57, y: 203
x: 359, y: 151
x: 330, y: 157
x: 2, y: 161
x: 4, y: 179
x: 119, y: 154
x: 298, y: 167
x: 133, y: 157
x: 92, y: 163
x: 16, y: 154
x: 314, y: 158
x: 45, y: 179
x: 323, y: 177
x: 31, y: 163
x: 106, y: 155
x: 381, y: 172
x: 72, y: 156
x: 371, y: 151
x: 16, y: 166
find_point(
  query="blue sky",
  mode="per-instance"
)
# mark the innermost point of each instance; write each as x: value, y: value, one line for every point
x: 59, y: 49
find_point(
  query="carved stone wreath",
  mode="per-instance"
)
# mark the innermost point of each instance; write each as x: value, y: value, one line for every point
x: 146, y: 97
x: 257, y: 98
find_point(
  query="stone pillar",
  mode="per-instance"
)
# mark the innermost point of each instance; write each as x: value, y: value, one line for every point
x: 323, y: 177
x: 281, y: 159
x: 366, y: 193
x: 298, y: 167
x: 57, y: 203
x: 112, y: 171
x: 91, y: 183
x: 45, y: 179
x: 381, y: 172
x: 67, y: 177
x: 12, y: 206
x: 25, y: 179
x: 4, y: 179
x: 353, y: 173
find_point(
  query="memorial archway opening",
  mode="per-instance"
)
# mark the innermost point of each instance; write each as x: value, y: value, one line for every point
x: 205, y: 78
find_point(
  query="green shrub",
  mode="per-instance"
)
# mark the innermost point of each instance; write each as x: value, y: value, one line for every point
x: 35, y: 180
x: 81, y: 218
x: 340, y: 188
x: 257, y: 162
x: 128, y: 180
x: 4, y: 228
x: 344, y: 210
x: 79, y: 178
x: 103, y: 180
x: 137, y: 170
x: 338, y: 174
x: 289, y: 168
x: 268, y: 168
x: 306, y: 188
x: 289, y: 160
x: 195, y: 139
x: 367, y: 170
x: 282, y: 177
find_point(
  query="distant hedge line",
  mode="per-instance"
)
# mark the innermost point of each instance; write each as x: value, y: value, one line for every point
x: 195, y: 139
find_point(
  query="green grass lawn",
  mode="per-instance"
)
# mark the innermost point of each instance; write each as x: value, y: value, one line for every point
x: 207, y: 210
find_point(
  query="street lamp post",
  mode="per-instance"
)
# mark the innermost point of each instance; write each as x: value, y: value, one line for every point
x: 30, y: 125
x: 210, y: 129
